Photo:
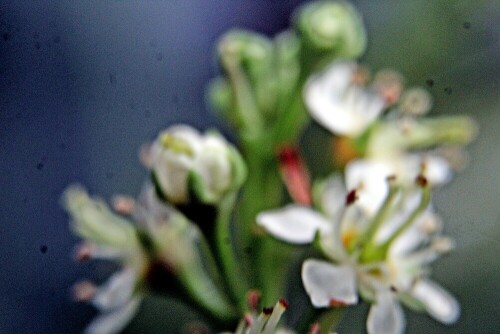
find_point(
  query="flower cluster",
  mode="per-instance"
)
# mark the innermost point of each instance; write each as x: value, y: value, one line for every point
x: 210, y: 228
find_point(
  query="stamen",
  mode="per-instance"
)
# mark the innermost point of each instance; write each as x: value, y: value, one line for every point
x: 381, y: 216
x: 253, y: 299
x: 261, y: 320
x: 123, y: 204
x: 315, y: 328
x: 275, y: 317
x: 424, y: 203
x: 84, y: 291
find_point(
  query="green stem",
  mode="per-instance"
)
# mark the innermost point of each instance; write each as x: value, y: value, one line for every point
x: 224, y: 243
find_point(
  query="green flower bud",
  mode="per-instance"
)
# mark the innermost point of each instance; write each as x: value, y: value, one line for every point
x: 333, y: 27
x: 187, y: 163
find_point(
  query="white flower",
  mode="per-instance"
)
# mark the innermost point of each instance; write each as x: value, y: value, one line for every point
x: 340, y: 105
x: 382, y: 255
x: 182, y: 158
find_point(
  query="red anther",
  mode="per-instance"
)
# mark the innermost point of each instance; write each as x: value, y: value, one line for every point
x: 283, y: 303
x: 336, y: 303
x: 351, y: 197
x: 267, y: 310
x: 248, y: 320
x: 295, y: 175
x: 315, y: 328
x: 253, y: 299
x: 422, y: 181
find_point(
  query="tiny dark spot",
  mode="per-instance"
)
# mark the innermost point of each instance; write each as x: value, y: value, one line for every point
x: 159, y: 56
x: 39, y: 166
x: 112, y: 78
x: 38, y: 45
x: 109, y: 175
x: 430, y: 82
x: 44, y: 249
x: 56, y: 39
x: 393, y: 288
x: 466, y: 25
x: 6, y: 36
x: 448, y: 90
x: 248, y: 250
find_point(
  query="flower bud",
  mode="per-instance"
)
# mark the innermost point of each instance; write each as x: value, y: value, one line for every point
x: 187, y: 163
x: 332, y: 27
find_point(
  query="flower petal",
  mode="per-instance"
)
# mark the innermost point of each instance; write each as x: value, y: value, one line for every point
x: 117, y: 290
x: 293, y: 223
x: 114, y: 322
x: 370, y: 180
x: 386, y: 315
x: 338, y: 105
x: 328, y: 284
x: 439, y: 303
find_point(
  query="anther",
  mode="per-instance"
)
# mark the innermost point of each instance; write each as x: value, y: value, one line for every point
x: 123, y: 204
x: 253, y: 299
x: 315, y: 328
x: 351, y: 197
x: 84, y: 291
x: 336, y: 303
x: 283, y: 303
x: 267, y: 310
x: 83, y: 253
x: 421, y: 181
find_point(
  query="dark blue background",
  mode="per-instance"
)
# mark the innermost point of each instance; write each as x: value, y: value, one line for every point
x: 84, y: 83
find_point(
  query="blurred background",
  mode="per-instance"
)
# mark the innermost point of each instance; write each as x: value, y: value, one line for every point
x: 84, y: 83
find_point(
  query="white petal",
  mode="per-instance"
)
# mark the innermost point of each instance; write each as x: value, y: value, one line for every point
x: 117, y: 290
x: 333, y: 197
x: 336, y: 104
x: 114, y: 322
x: 293, y: 223
x: 437, y: 170
x: 386, y: 315
x: 326, y: 283
x: 439, y: 303
x: 370, y: 179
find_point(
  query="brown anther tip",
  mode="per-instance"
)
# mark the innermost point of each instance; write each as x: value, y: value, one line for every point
x: 393, y: 288
x: 391, y: 178
x: 83, y: 253
x: 421, y: 181
x: 351, y: 197
x: 267, y: 310
x: 336, y: 303
x: 253, y: 299
x: 283, y: 303
x: 315, y: 328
